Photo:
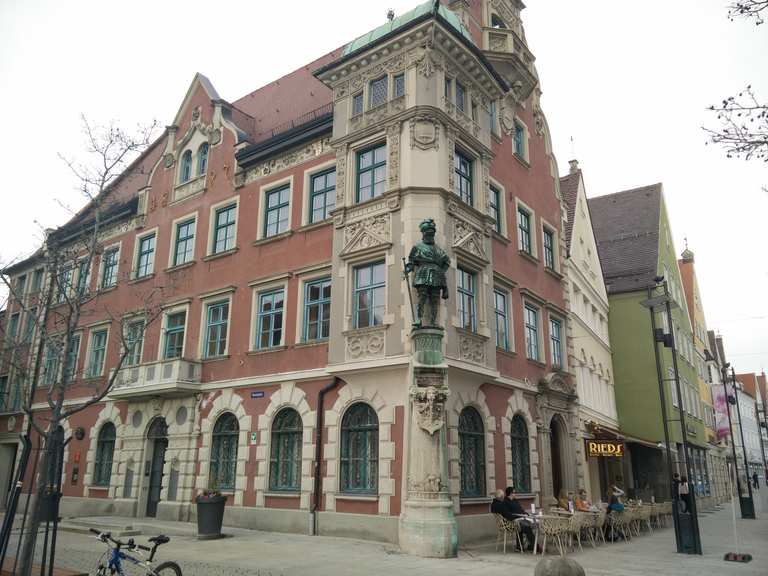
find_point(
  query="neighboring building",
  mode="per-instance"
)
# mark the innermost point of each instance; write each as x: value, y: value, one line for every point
x: 749, y: 400
x: 277, y: 224
x: 720, y: 454
x: 634, y: 241
x: 589, y: 347
x: 705, y: 490
x: 762, y: 418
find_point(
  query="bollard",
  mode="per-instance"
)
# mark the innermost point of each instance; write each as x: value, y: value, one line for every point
x: 559, y: 567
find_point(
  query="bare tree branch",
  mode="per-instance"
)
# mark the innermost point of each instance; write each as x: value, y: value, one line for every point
x: 743, y: 130
x: 748, y: 9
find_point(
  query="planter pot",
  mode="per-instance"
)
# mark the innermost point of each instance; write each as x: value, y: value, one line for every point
x: 210, y: 515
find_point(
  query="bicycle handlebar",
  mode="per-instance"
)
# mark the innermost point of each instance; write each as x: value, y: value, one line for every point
x: 106, y: 536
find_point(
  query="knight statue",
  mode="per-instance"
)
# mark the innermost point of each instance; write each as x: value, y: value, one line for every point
x: 429, y: 262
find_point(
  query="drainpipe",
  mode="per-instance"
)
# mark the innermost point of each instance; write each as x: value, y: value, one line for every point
x: 319, y: 423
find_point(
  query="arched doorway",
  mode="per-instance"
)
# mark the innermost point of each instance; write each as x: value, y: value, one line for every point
x: 157, y: 440
x: 557, y: 439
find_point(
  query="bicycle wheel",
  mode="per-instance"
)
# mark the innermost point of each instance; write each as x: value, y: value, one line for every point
x: 167, y: 569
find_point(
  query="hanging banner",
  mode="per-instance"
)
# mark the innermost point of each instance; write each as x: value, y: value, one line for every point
x: 721, y: 412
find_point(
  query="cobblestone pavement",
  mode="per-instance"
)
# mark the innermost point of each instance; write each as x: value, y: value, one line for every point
x: 250, y: 553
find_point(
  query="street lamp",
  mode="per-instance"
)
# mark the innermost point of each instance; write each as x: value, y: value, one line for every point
x: 746, y: 503
x: 687, y: 535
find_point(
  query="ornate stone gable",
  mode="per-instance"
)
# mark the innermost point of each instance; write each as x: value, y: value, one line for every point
x: 370, y: 233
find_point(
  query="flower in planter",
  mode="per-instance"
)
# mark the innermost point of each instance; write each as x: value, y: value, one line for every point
x: 208, y: 495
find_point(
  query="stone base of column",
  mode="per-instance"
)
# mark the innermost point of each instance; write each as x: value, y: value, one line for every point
x: 428, y: 529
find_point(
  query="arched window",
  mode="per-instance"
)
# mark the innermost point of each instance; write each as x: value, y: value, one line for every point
x: 360, y: 450
x: 105, y: 448
x: 472, y: 453
x: 186, y: 166
x: 521, y: 468
x: 202, y: 158
x: 497, y: 22
x: 285, y: 453
x: 224, y: 452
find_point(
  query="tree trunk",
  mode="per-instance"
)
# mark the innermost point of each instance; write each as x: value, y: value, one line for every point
x: 26, y: 558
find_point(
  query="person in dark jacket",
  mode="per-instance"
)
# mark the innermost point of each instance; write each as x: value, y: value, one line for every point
x: 517, y: 511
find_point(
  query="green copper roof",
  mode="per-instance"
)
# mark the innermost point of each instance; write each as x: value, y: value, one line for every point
x: 372, y: 36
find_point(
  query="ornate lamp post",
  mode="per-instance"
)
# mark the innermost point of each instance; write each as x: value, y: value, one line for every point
x: 746, y: 503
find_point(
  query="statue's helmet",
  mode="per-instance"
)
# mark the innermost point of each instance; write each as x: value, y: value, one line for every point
x: 427, y: 224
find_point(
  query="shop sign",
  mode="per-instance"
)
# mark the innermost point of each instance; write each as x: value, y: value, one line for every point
x: 605, y: 448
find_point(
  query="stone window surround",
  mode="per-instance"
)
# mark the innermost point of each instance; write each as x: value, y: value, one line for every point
x: 107, y: 248
x: 287, y: 396
x: 173, y: 308
x: 350, y: 175
x: 563, y: 347
x: 347, y: 274
x: 457, y: 402
x: 135, y: 261
x: 257, y: 288
x: 475, y: 172
x: 525, y: 158
x: 542, y: 350
x: 126, y: 322
x: 509, y: 317
x: 520, y: 205
x: 174, y: 232
x: 306, y: 204
x: 350, y: 394
x: 481, y: 295
x: 366, y: 89
x: 212, y: 222
x: 108, y: 413
x: 262, y: 210
x: 192, y: 144
x: 517, y: 404
x: 507, y: 286
x: 217, y: 297
x: 502, y: 206
x: 545, y: 225
x: 304, y: 278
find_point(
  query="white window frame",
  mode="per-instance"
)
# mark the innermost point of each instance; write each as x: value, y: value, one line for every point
x: 100, y: 327
x: 174, y: 235
x: 264, y: 189
x: 347, y: 274
x: 206, y: 300
x: 308, y: 277
x: 306, y: 196
x: 168, y: 311
x: 257, y: 288
x: 119, y: 246
x: 126, y: 322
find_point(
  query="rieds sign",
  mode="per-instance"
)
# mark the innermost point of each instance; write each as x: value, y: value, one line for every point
x: 602, y: 448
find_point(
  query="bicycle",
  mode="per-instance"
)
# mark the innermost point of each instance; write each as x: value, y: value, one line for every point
x: 115, y: 555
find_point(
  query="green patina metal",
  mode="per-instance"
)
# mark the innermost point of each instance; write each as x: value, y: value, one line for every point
x: 401, y: 21
x: 430, y: 263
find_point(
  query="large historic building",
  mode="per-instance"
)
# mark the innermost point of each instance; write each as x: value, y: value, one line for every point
x: 271, y: 232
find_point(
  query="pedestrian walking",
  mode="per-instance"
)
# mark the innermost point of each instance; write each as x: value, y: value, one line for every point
x: 685, y: 493
x: 755, y: 483
x: 676, y: 489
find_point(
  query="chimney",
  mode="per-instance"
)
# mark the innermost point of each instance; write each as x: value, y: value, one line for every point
x: 574, y: 166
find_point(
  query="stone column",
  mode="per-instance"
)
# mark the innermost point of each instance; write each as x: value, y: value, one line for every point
x: 427, y: 524
x: 545, y: 465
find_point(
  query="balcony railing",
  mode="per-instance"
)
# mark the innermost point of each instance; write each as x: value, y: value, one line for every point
x: 162, y: 378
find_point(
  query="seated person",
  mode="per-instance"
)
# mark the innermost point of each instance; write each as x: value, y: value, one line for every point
x: 614, y: 505
x: 515, y: 508
x: 582, y: 502
x: 563, y: 501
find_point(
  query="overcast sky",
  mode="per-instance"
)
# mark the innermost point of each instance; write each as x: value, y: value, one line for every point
x: 629, y: 81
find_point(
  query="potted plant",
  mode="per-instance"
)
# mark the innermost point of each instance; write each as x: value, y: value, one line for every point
x: 210, y: 514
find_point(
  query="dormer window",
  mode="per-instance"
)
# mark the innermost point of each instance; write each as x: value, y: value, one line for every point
x: 186, y: 166
x: 202, y: 159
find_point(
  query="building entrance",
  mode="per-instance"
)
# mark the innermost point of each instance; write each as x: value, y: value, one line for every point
x: 557, y: 438
x: 158, y: 443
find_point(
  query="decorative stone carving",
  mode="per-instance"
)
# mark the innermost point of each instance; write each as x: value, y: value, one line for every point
x: 472, y: 348
x: 451, y: 154
x: 285, y: 161
x: 425, y: 133
x: 497, y: 42
x: 473, y: 245
x: 393, y: 148
x: 169, y: 160
x: 11, y: 424
x: 538, y: 120
x: 507, y: 13
x: 341, y: 174
x: 214, y: 137
x: 431, y: 484
x: 378, y: 114
x: 365, y: 344
x: 377, y: 225
x: 461, y: 230
x: 188, y: 189
x: 429, y: 406
x: 341, y: 90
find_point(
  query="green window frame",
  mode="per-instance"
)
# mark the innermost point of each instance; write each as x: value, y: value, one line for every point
x: 369, y: 295
x: 524, y: 231
x: 145, y: 263
x: 472, y: 453
x: 502, y: 319
x: 371, y: 173
x: 359, y: 450
x: 105, y: 450
x: 4, y: 393
x: 224, y: 440
x: 97, y: 354
x: 202, y: 159
x: 285, y: 452
x: 224, y: 228
x: 185, y: 173
x: 134, y: 340
x: 462, y: 166
x: 70, y: 359
x: 270, y: 322
x: 556, y: 342
x: 185, y: 242
x: 322, y: 197
x: 519, y: 141
x: 531, y: 332
x: 277, y: 207
x: 377, y: 92
x: 13, y: 326
x: 175, y: 325
x: 37, y: 280
x: 109, y: 267
x: 317, y: 310
x: 496, y: 208
x: 466, y: 288
x: 549, y: 249
x: 217, y: 322
x: 521, y: 467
